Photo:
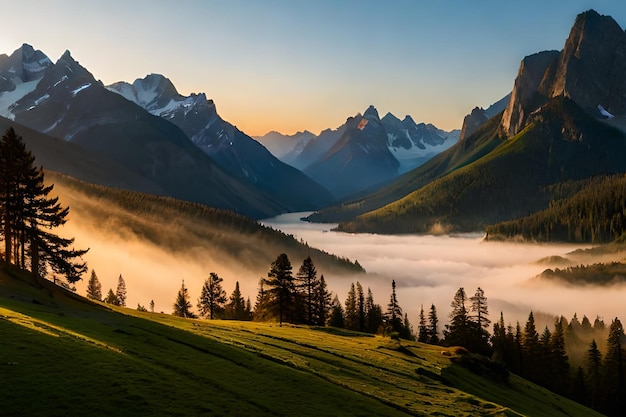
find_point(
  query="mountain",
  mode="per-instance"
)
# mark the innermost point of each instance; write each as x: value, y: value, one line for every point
x: 561, y: 143
x: 359, y: 159
x: 234, y: 151
x: 285, y: 147
x: 591, y: 70
x: 479, y: 116
x: 494, y: 175
x: 68, y: 103
x: 412, y: 144
x: 368, y: 151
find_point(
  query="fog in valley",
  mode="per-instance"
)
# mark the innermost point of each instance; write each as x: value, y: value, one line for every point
x: 427, y: 269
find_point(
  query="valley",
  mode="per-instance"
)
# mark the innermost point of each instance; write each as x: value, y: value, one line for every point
x: 387, y: 264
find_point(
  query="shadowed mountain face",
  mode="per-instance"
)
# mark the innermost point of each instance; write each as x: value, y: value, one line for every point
x: 67, y: 102
x: 234, y: 151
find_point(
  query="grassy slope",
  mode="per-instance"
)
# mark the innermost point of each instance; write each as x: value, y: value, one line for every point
x: 62, y: 355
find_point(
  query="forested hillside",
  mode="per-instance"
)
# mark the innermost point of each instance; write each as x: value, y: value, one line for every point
x: 595, y: 214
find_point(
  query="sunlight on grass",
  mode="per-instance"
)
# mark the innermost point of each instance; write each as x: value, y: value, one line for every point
x: 48, y: 328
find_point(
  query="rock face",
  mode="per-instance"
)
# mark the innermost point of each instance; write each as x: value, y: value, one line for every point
x: 479, y: 116
x: 525, y: 97
x: 591, y: 70
x: 473, y: 121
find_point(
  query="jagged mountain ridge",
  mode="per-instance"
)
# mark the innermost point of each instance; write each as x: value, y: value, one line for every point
x: 590, y: 69
x: 365, y: 151
x: 478, y: 116
x: 234, y: 151
x: 68, y: 103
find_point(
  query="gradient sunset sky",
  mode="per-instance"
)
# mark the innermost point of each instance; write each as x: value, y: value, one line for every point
x: 290, y: 65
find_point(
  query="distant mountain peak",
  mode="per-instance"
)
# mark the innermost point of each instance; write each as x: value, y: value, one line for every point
x: 371, y: 112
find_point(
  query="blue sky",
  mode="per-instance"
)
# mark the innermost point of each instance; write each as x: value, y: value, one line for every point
x: 291, y: 65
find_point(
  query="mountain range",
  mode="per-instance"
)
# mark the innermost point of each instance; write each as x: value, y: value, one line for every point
x: 364, y: 152
x: 557, y: 127
x: 63, y: 100
x: 156, y: 140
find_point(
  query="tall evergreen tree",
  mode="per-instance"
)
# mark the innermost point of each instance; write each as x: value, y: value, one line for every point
x: 182, y: 305
x: 422, y: 328
x: 94, y: 288
x: 281, y: 288
x: 111, y: 298
x: 28, y: 215
x: 351, y: 312
x: 559, y: 362
x: 236, y: 307
x: 360, y: 307
x: 614, y: 369
x: 531, y: 349
x: 120, y: 293
x: 307, y: 277
x: 373, y: 313
x: 457, y: 332
x: 212, y: 297
x: 322, y: 303
x: 394, y: 312
x: 336, y: 314
x: 593, y: 362
x: 433, y: 326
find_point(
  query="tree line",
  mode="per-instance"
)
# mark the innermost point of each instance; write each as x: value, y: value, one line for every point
x: 29, y: 215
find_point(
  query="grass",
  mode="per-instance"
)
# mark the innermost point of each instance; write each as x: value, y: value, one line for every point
x: 63, y: 355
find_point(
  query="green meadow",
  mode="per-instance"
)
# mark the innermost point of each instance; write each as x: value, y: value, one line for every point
x: 62, y: 355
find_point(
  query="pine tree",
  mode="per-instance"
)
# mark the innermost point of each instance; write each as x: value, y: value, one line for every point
x: 559, y: 363
x: 261, y: 311
x: 360, y: 307
x: 351, y: 312
x: 182, y: 306
x: 531, y: 349
x: 433, y: 326
x: 322, y: 303
x: 120, y: 293
x: 212, y: 297
x: 236, y: 307
x: 111, y: 298
x: 407, y: 330
x: 593, y: 362
x: 336, y: 314
x: 307, y: 276
x: 457, y: 333
x: 614, y: 368
x: 394, y: 312
x: 422, y: 329
x: 281, y: 289
x: 479, y: 311
x: 28, y: 215
x: 152, y: 306
x: 373, y: 313
x: 94, y: 288
x: 248, y: 309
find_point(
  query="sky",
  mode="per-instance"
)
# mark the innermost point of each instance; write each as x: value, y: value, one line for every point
x: 291, y: 65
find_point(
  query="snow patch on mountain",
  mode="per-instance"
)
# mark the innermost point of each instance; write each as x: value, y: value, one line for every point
x: 9, y: 98
x: 79, y: 89
x: 605, y: 113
